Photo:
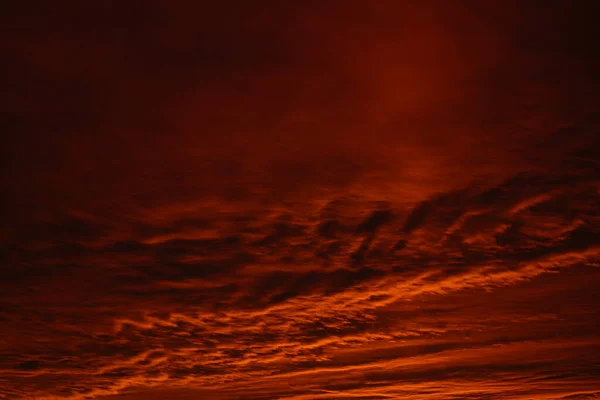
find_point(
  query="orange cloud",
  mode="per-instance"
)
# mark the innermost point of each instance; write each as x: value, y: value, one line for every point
x: 300, y: 201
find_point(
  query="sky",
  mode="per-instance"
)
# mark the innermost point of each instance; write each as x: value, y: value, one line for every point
x: 308, y: 200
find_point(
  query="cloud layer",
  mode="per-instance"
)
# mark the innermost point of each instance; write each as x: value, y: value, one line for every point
x: 247, y: 203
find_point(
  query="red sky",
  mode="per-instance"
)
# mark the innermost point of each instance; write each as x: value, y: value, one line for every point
x: 300, y: 200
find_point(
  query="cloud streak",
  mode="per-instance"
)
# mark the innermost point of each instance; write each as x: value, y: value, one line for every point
x: 281, y: 301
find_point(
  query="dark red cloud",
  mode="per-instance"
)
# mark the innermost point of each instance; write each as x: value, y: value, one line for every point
x: 318, y: 200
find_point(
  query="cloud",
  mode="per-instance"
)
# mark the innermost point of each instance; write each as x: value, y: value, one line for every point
x: 299, y: 202
x: 251, y: 301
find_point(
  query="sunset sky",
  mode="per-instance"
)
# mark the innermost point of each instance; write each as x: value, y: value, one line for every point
x: 300, y: 200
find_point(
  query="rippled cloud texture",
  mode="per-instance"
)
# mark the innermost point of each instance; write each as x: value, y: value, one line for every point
x: 300, y: 200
